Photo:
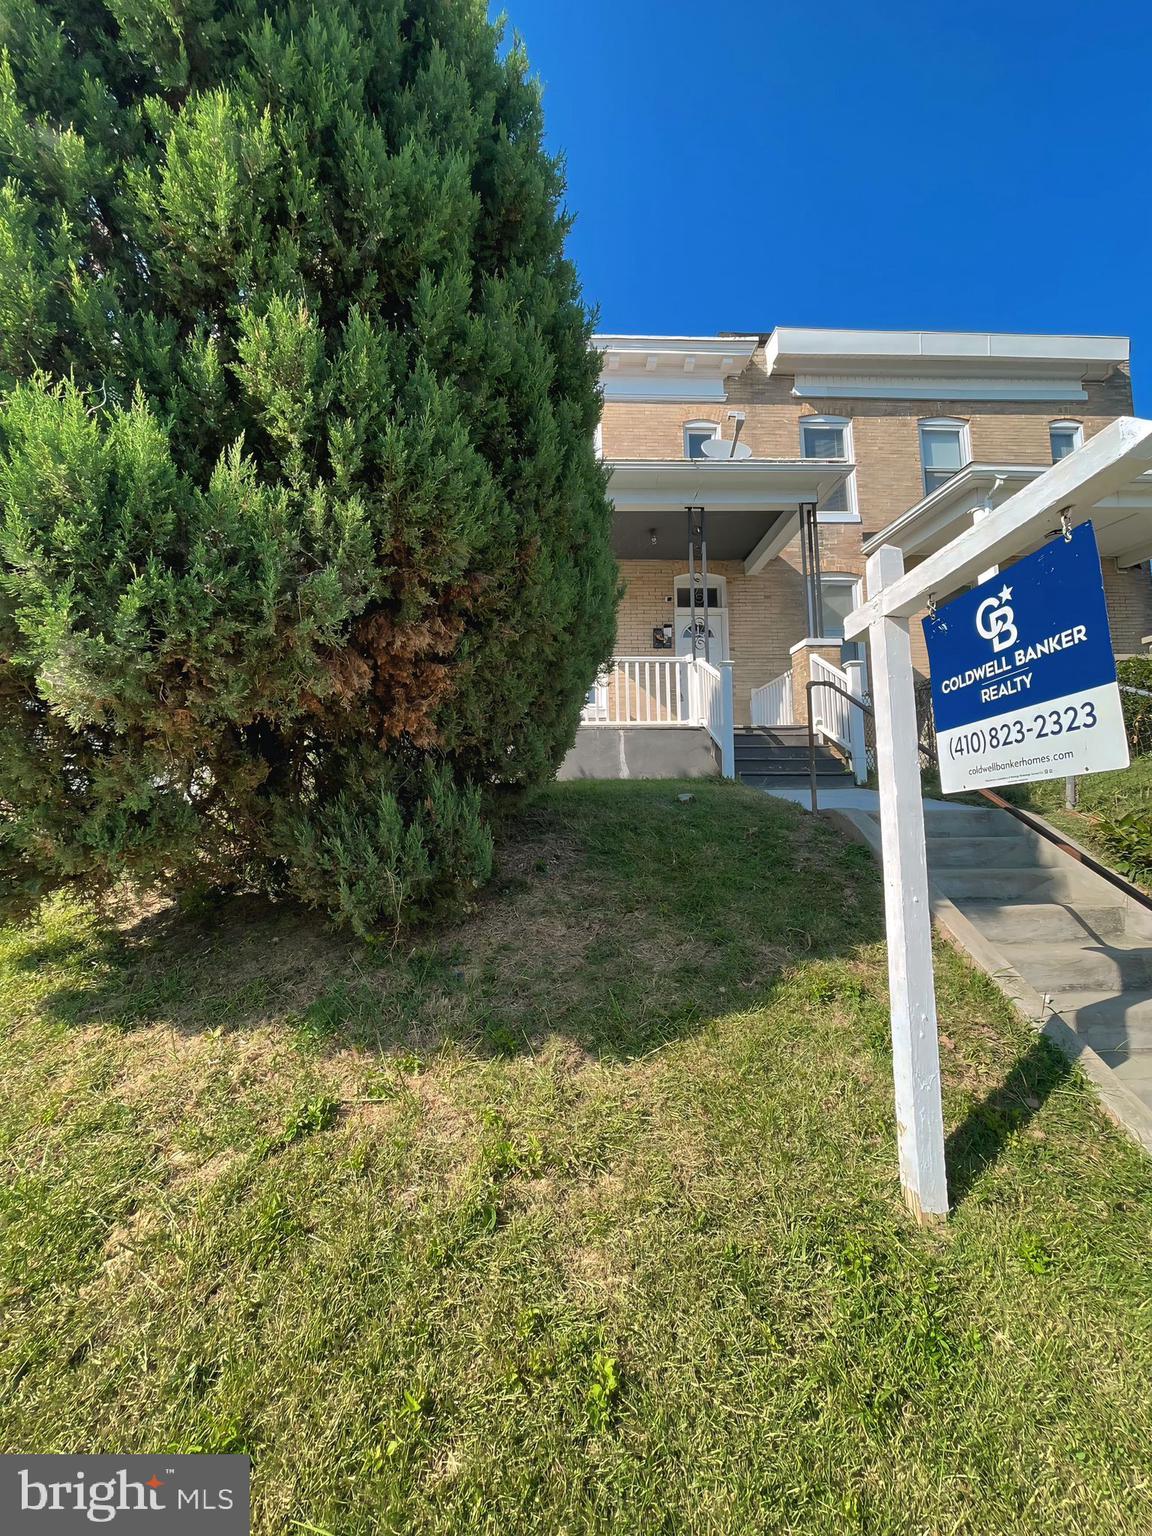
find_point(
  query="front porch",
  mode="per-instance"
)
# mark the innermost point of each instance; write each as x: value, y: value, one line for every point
x: 734, y: 588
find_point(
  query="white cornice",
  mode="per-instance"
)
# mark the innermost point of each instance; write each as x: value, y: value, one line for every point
x: 689, y: 387
x: 888, y: 361
x: 692, y: 368
x: 846, y: 364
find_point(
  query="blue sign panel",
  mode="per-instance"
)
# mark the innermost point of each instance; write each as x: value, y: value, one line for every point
x: 1023, y: 674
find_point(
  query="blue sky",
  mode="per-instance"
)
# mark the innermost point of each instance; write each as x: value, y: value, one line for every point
x: 961, y: 166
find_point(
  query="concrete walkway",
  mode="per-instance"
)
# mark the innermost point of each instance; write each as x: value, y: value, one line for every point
x: 1072, y: 951
x: 842, y: 798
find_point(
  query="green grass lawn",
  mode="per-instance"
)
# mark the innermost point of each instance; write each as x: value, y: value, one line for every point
x: 579, y: 1215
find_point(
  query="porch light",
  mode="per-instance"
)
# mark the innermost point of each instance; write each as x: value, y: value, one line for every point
x: 651, y: 535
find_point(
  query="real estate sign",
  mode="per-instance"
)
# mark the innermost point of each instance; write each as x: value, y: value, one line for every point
x: 1023, y: 674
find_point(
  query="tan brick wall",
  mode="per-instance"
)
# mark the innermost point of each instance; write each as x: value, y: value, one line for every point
x: 885, y: 433
x: 767, y: 613
x: 1129, y: 595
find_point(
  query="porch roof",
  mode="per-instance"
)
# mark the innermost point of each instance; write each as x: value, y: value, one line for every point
x: 1123, y: 520
x: 753, y: 505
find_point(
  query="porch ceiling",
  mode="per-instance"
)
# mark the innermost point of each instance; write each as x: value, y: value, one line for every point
x: 1123, y: 521
x: 752, y: 505
x: 732, y: 535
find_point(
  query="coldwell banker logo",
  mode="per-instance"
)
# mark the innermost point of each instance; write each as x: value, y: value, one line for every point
x: 49, y: 1494
x: 996, y: 621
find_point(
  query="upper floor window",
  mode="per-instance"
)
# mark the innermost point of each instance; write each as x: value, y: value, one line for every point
x: 830, y: 437
x: 1065, y: 437
x: 696, y: 434
x: 944, y: 451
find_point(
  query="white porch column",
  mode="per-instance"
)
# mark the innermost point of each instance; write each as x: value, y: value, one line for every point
x: 908, y: 918
x: 857, y: 733
x: 695, y: 713
x: 727, y: 722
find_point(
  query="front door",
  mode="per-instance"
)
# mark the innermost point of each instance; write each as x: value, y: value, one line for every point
x: 712, y: 605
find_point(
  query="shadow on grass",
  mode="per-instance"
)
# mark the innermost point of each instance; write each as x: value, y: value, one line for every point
x: 984, y: 1133
x: 621, y: 919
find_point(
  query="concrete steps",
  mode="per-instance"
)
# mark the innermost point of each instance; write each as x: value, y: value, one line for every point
x: 792, y: 781
x: 986, y: 852
x: 1080, y: 943
x: 787, y: 761
x: 777, y: 758
x: 944, y: 821
x: 1118, y: 1027
x: 1043, y: 922
x: 1074, y: 967
x: 1021, y: 882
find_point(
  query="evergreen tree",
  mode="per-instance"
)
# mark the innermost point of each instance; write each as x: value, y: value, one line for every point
x: 304, y: 549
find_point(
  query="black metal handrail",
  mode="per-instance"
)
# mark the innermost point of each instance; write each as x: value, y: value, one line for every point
x: 823, y: 682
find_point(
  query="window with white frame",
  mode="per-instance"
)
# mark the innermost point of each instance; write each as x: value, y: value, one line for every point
x: 1065, y: 437
x: 838, y: 596
x: 830, y: 437
x: 945, y: 448
x: 598, y: 440
x: 696, y: 434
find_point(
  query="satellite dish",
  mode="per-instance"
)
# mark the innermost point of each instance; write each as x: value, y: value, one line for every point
x: 717, y: 448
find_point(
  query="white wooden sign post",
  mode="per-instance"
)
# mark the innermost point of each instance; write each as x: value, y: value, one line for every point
x: 907, y: 914
x: 1105, y: 464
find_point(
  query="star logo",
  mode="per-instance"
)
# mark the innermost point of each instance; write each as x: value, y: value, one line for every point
x: 996, y: 621
x: 155, y: 1482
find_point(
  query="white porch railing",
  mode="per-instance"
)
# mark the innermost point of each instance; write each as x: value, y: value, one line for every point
x: 641, y: 690
x: 665, y: 691
x: 772, y: 704
x: 836, y: 717
x: 713, y: 697
x: 831, y: 713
